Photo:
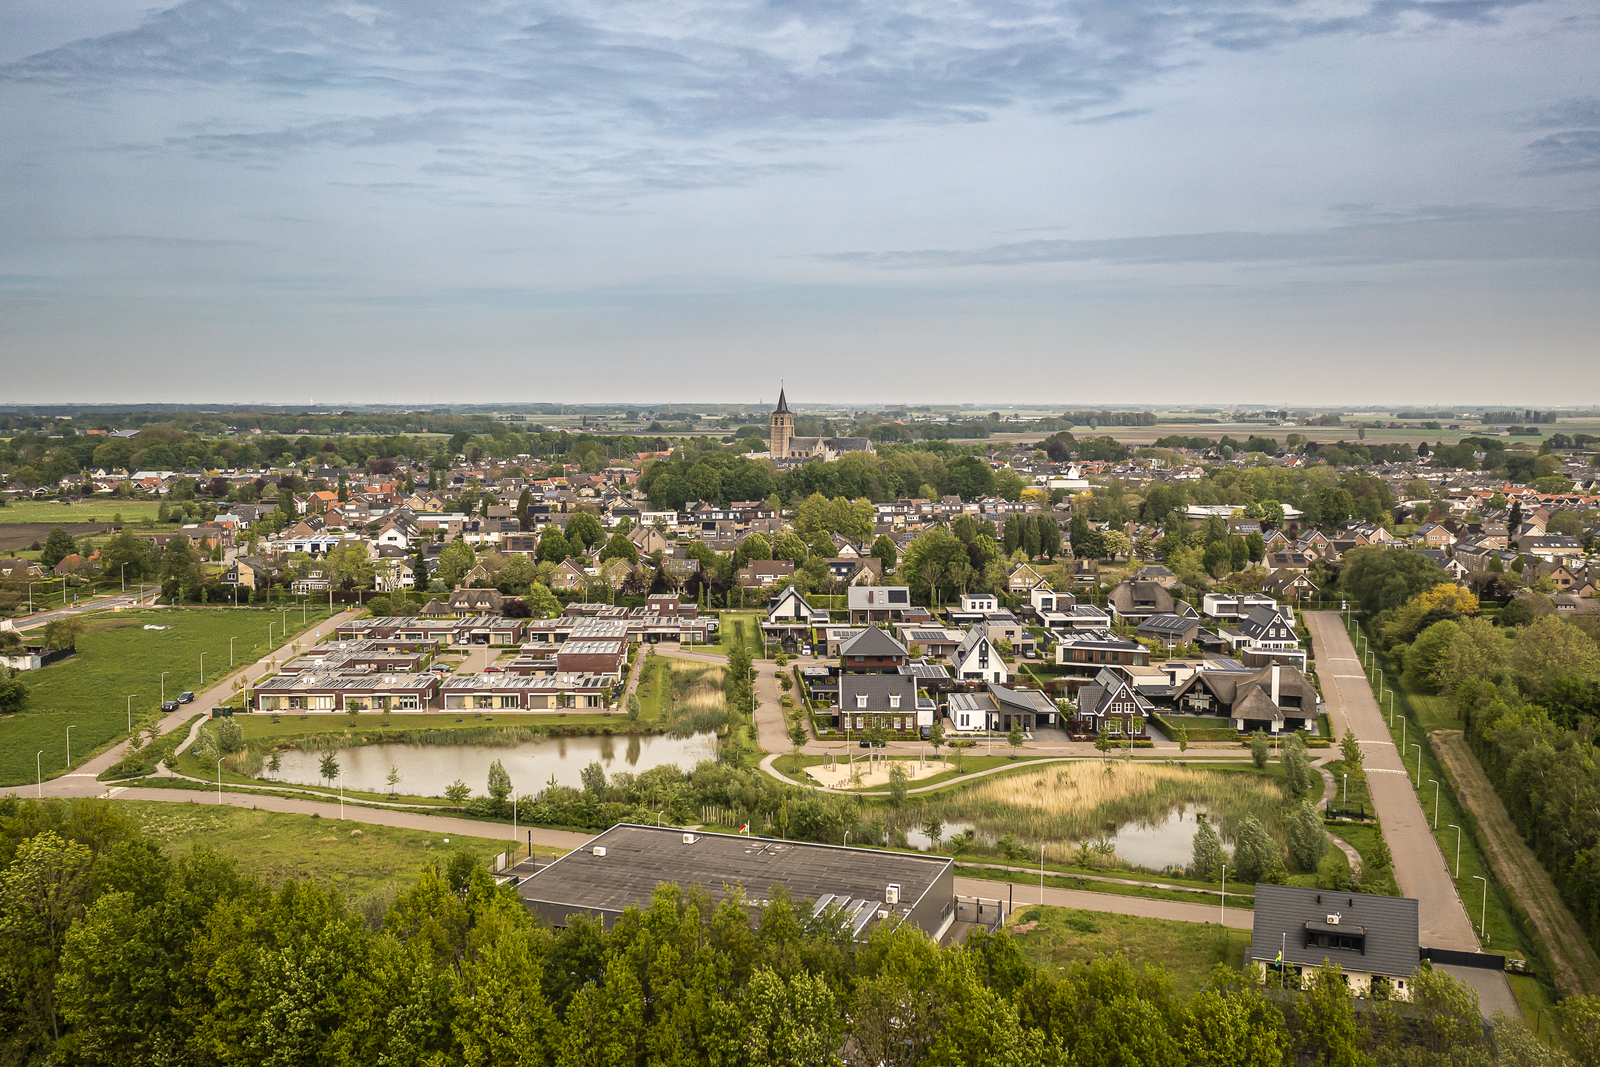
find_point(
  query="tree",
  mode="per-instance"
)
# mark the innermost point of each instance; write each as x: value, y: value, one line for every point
x: 936, y: 736
x: 1258, y: 749
x: 329, y: 766
x: 883, y: 548
x: 1580, y: 1020
x: 1102, y: 739
x: 1183, y: 739
x: 583, y: 532
x: 457, y: 792
x: 620, y: 546
x: 1297, y: 773
x: 1307, y: 840
x: 1207, y: 855
x: 1014, y: 739
x: 1329, y: 1033
x: 63, y: 632
x: 553, y: 546
x: 499, y: 783
x: 57, y: 547
x: 797, y: 733
x: 1350, y: 752
x: 933, y: 826
x: 455, y: 561
x: 593, y: 777
x: 1256, y: 856
x: 970, y: 478
x: 897, y: 784
x: 393, y: 778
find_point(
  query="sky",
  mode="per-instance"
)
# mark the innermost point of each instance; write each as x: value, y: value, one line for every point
x: 1329, y: 202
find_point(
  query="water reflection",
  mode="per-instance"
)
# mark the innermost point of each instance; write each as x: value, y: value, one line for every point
x: 426, y: 770
x: 1156, y: 845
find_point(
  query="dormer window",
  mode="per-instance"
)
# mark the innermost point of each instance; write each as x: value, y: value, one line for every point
x: 861, y: 700
x: 894, y: 700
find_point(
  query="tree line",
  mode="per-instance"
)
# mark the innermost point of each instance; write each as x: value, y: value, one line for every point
x: 119, y: 954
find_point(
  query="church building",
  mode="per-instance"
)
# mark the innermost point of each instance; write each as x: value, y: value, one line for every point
x: 788, y: 449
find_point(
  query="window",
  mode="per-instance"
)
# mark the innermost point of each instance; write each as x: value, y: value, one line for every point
x: 483, y: 702
x: 966, y: 720
x: 508, y: 702
x: 406, y: 702
x: 894, y: 700
x: 861, y: 700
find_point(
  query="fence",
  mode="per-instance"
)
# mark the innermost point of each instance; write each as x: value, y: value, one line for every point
x: 981, y: 911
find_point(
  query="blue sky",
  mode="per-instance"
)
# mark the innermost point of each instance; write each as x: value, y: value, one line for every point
x: 1072, y: 202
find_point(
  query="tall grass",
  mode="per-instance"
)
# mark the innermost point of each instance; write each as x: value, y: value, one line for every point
x: 695, y: 701
x: 1085, y: 801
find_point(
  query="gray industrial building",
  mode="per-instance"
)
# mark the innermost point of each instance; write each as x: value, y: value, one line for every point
x: 622, y: 867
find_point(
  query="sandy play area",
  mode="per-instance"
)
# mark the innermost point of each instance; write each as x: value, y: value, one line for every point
x: 872, y: 772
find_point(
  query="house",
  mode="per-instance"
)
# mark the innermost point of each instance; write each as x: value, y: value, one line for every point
x: 1286, y: 561
x: 1170, y: 630
x: 476, y: 602
x: 1085, y: 653
x: 887, y: 700
x: 568, y: 576
x: 981, y: 603
x: 1233, y: 605
x: 1113, y: 703
x: 790, y: 620
x: 1138, y: 600
x: 931, y: 641
x: 1293, y: 585
x: 998, y: 708
x: 648, y: 539
x: 1024, y: 578
x: 872, y: 652
x: 976, y: 659
x: 1269, y: 634
x: 1155, y: 572
x: 765, y: 573
x: 878, y: 603
x: 1434, y: 535
x: 1270, y: 700
x: 249, y: 572
x: 1372, y: 938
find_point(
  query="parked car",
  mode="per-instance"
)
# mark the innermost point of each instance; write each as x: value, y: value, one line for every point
x: 494, y: 670
x: 170, y: 705
x: 186, y: 697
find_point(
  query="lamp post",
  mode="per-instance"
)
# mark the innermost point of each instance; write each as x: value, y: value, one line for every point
x: 164, y: 686
x: 219, y: 783
x: 1435, y: 798
x: 270, y: 625
x: 202, y: 671
x: 30, y: 598
x: 231, y: 640
x: 1402, y: 740
x: 660, y: 813
x: 1346, y: 777
x: 1041, y: 874
x: 130, y: 714
x: 1222, y: 909
x: 1419, y: 766
x: 69, y: 746
x: 1457, y: 829
x: 1483, y: 916
x: 124, y: 577
x: 38, y: 769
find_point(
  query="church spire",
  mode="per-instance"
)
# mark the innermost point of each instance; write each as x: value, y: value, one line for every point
x: 783, y: 403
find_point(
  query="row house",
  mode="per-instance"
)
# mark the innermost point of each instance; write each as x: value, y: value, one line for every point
x: 999, y: 709
x: 321, y: 691
x: 511, y: 692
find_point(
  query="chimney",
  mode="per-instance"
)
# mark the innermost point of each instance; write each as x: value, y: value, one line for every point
x: 1274, y: 684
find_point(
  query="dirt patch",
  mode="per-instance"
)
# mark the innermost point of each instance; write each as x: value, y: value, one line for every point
x: 18, y: 536
x: 1577, y: 966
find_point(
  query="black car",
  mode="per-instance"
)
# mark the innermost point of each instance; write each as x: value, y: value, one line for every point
x: 186, y: 697
x: 171, y: 705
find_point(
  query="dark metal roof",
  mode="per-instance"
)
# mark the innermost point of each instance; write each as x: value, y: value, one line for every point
x: 639, y: 858
x: 1284, y: 914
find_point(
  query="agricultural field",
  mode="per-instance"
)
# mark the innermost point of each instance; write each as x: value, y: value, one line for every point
x: 99, y: 512
x: 1055, y: 938
x: 117, y: 657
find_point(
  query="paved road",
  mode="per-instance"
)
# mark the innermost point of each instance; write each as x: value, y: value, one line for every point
x: 1022, y: 894
x: 1419, y: 865
x: 116, y: 600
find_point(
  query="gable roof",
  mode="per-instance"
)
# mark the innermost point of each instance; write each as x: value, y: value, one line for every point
x: 873, y: 642
x: 1283, y: 914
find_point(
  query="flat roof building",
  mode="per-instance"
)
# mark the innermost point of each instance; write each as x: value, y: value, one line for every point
x: 622, y: 867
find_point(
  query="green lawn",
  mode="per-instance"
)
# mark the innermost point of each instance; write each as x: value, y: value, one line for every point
x: 752, y: 631
x: 1186, y: 951
x: 116, y: 657
x: 655, y: 687
x: 359, y: 859
x: 132, y: 511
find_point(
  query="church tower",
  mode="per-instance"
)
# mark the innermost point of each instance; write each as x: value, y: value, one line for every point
x: 782, y: 427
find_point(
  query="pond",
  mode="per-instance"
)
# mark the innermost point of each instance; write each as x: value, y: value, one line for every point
x: 1156, y: 846
x: 426, y: 770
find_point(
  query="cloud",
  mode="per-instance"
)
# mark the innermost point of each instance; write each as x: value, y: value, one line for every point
x: 535, y: 84
x: 1575, y: 144
x: 1480, y: 237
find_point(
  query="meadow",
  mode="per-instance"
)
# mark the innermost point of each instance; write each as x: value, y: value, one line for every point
x: 1060, y: 805
x: 117, y: 657
x: 101, y: 511
x: 1060, y: 937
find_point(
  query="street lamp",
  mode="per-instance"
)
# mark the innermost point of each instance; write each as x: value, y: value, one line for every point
x: 270, y: 625
x: 1222, y: 910
x: 1457, y: 829
x: 38, y: 769
x: 660, y: 813
x: 1041, y: 874
x: 1346, y: 789
x: 69, y: 746
x: 1419, y: 766
x: 1435, y: 799
x: 1483, y: 917
x: 130, y: 714
x: 202, y: 670
x: 219, y: 779
x: 164, y: 686
x: 124, y: 577
x: 231, y: 640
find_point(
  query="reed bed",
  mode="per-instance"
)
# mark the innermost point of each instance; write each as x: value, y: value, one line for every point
x: 1083, y: 802
x: 695, y: 702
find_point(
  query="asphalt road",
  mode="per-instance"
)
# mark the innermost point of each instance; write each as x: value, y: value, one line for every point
x: 1420, y: 867
x: 1021, y: 894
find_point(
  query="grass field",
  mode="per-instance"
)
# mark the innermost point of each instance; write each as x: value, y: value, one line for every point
x: 359, y: 859
x: 1186, y: 951
x: 752, y: 631
x: 117, y: 657
x: 132, y: 511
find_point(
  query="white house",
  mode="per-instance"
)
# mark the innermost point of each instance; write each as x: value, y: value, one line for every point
x: 976, y: 659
